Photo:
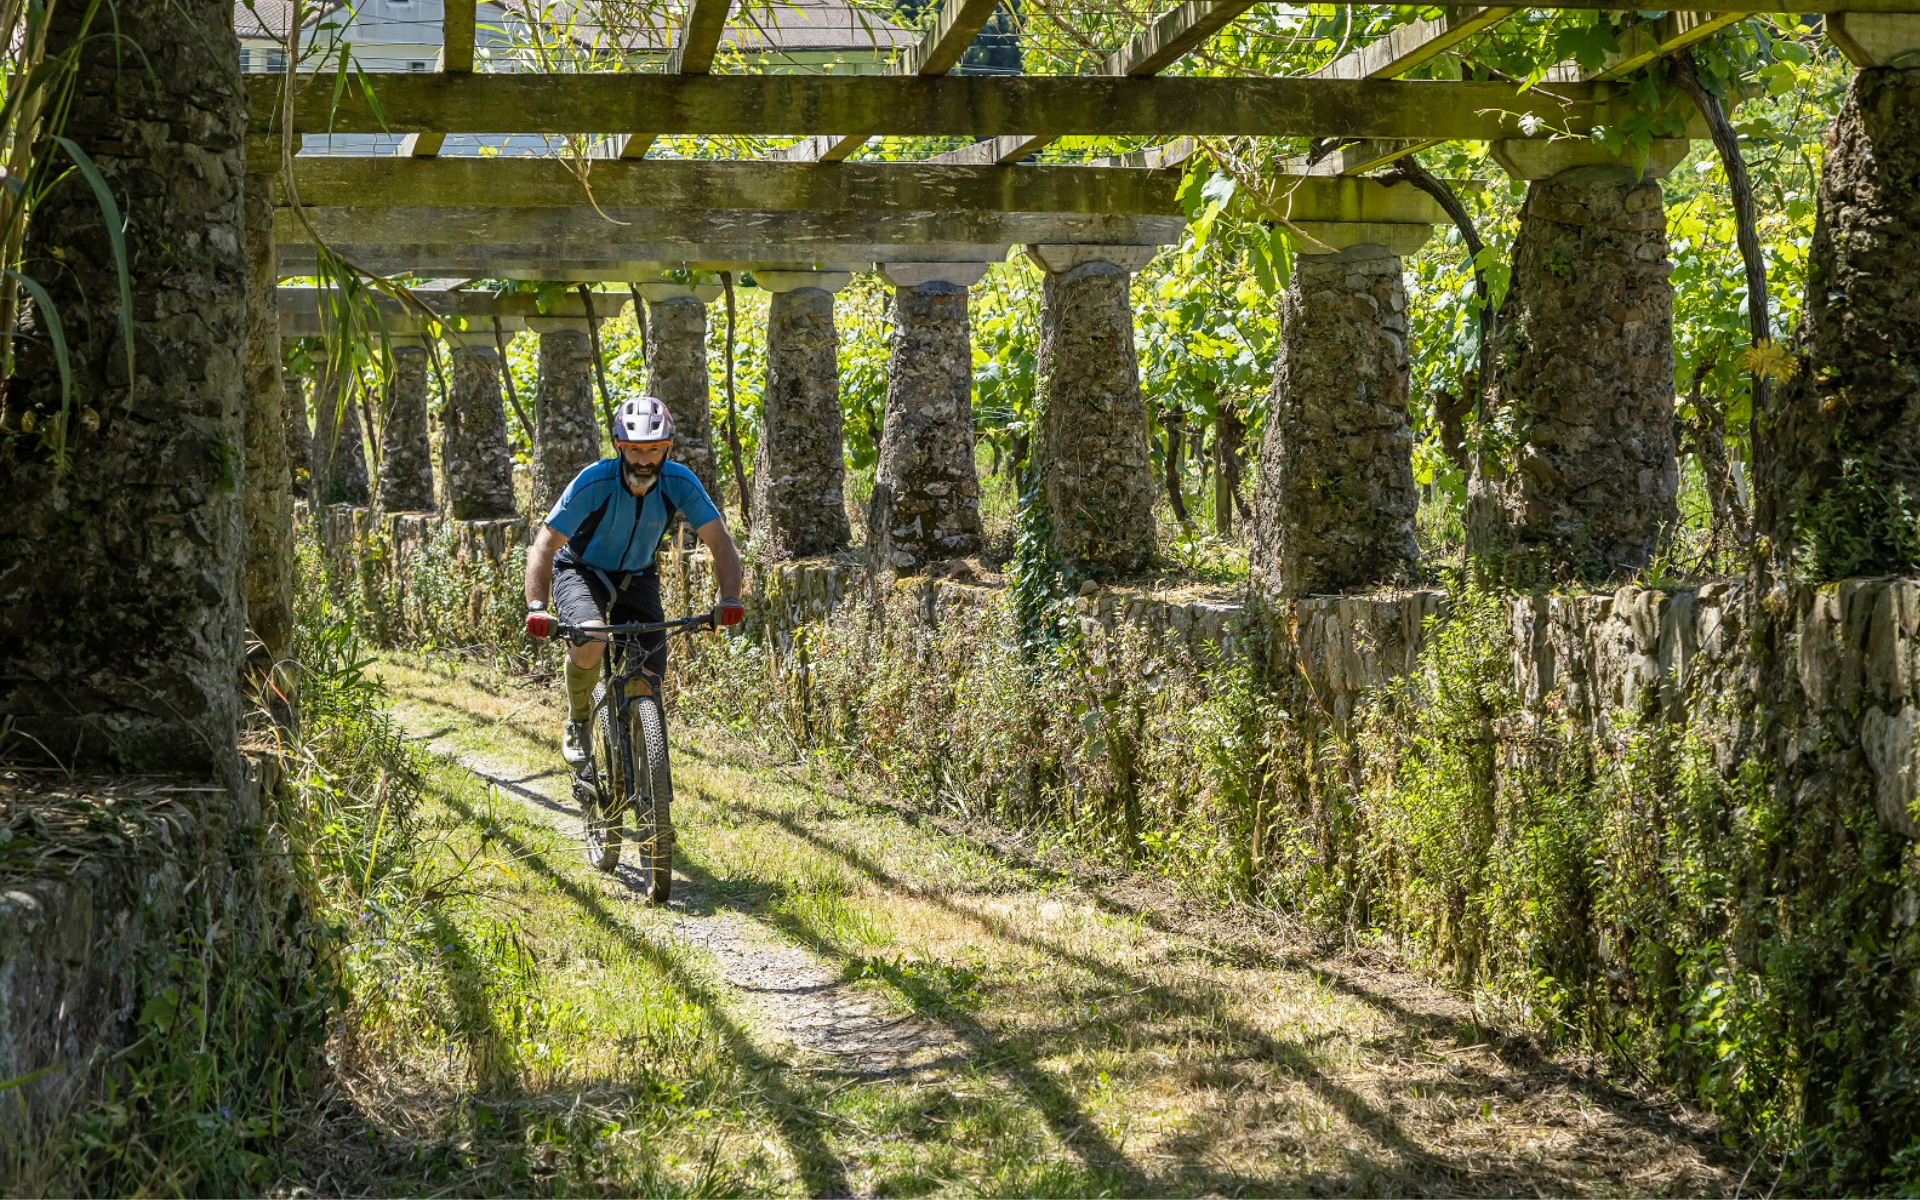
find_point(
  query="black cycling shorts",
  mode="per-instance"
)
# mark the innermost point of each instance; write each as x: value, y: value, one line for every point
x: 581, y: 595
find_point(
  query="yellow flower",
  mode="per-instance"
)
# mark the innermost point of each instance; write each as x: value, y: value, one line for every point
x: 1767, y: 360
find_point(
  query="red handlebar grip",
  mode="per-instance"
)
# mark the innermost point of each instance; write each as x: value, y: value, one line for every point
x: 541, y: 624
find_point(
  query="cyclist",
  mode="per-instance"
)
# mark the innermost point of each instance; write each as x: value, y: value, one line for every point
x: 593, y: 557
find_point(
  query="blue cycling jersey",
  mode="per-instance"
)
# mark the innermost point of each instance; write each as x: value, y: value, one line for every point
x: 610, y: 528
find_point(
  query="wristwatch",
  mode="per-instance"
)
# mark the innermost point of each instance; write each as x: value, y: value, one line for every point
x: 536, y: 606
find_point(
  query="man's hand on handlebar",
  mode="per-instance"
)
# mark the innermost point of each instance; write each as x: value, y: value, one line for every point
x: 729, y: 611
x: 542, y: 625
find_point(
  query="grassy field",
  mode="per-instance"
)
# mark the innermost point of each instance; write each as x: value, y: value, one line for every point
x: 850, y: 997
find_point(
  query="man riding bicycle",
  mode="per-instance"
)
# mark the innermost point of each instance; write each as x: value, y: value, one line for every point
x: 593, y: 559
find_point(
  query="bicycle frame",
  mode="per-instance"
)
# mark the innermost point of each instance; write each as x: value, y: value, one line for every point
x: 632, y: 680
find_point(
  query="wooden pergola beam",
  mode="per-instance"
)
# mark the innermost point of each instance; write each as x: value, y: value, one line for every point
x: 938, y: 51
x: 693, y: 54
x: 365, y: 182
x: 943, y: 106
x: 943, y: 45
x: 458, y: 33
x: 305, y: 302
x: 1643, y: 44
x: 1164, y: 43
x: 1409, y: 46
x: 1400, y: 51
x: 700, y: 34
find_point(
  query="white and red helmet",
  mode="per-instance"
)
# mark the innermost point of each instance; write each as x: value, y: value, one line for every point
x: 643, y: 420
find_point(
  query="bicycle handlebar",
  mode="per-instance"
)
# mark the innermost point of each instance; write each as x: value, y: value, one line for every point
x: 606, y: 632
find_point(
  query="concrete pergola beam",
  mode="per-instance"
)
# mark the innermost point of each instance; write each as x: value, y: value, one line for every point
x: 535, y: 263
x: 377, y: 182
x: 513, y: 310
x: 584, y: 235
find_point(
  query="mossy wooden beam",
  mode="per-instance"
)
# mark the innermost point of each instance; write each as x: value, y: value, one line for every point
x: 346, y: 182
x: 458, y: 19
x: 1403, y: 49
x: 1172, y: 37
x: 953, y: 30
x: 699, y: 37
x: 943, y: 106
x: 1168, y: 40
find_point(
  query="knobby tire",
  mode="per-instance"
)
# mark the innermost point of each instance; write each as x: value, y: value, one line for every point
x: 612, y: 763
x: 653, y: 811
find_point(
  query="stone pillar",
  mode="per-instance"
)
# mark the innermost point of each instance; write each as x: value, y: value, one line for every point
x: 1585, y: 374
x: 1336, y: 500
x: 299, y: 436
x: 566, y: 423
x: 121, y: 567
x: 1099, y: 481
x: 339, y: 450
x: 677, y: 372
x: 474, y: 456
x: 406, y: 451
x: 268, y: 495
x: 1839, y: 457
x: 926, y: 493
x: 799, y: 505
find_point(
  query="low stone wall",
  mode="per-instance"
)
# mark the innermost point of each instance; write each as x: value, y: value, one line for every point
x: 1594, y: 660
x: 107, y: 887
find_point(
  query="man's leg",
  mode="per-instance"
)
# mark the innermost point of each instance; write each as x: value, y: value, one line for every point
x: 580, y: 599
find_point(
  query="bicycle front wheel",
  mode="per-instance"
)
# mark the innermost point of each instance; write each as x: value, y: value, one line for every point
x: 612, y: 763
x: 653, y: 801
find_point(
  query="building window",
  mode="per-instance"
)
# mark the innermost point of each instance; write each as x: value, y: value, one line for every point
x: 276, y: 62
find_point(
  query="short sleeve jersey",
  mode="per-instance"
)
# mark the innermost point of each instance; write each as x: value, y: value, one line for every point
x: 610, y: 528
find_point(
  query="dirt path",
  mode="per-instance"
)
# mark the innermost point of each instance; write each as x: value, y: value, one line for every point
x: 796, y: 995
x: 922, y: 1006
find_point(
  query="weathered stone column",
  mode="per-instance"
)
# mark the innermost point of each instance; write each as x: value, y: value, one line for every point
x: 1585, y: 378
x: 1336, y: 500
x: 339, y: 450
x: 677, y: 372
x: 268, y: 495
x: 799, y: 505
x: 121, y: 569
x: 566, y: 425
x: 299, y: 436
x: 1099, y: 479
x: 1839, y: 458
x: 475, y: 459
x: 926, y: 492
x: 406, y: 450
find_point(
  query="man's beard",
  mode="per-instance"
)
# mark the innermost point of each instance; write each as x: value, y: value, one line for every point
x: 641, y: 476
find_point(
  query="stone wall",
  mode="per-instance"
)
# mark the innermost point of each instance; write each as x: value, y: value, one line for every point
x: 119, y: 877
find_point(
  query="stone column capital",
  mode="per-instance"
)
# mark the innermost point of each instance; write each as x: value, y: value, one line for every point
x: 674, y: 293
x: 918, y: 274
x: 796, y: 281
x: 1536, y: 158
x: 1322, y: 238
x: 1062, y: 258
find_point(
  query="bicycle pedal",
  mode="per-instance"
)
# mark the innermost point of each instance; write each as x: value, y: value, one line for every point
x: 585, y: 793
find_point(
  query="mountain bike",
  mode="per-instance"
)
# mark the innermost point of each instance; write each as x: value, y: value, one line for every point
x: 628, y: 771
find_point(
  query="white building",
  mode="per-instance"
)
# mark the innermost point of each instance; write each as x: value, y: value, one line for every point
x: 797, y: 36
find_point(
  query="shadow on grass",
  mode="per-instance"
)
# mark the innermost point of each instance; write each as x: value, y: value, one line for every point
x: 1416, y: 1165
x: 1519, y: 1053
x: 793, y: 1115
